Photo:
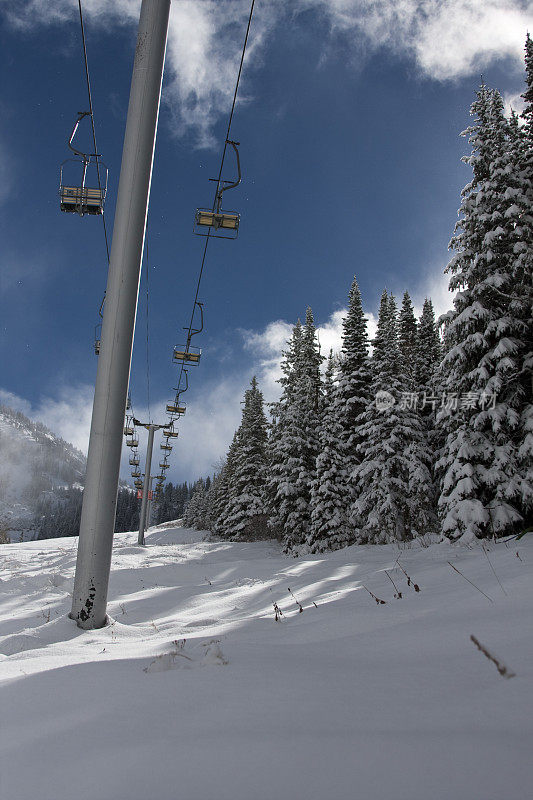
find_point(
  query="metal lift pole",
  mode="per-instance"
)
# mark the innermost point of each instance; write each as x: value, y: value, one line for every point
x: 147, y: 470
x: 89, y: 600
x: 148, y: 505
x: 147, y: 479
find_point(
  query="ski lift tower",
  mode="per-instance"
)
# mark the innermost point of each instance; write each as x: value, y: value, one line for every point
x: 89, y: 599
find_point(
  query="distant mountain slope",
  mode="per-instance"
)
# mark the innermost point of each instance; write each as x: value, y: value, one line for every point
x: 34, y: 465
x: 41, y: 483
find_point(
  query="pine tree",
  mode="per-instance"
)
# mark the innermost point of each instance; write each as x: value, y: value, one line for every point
x: 428, y: 352
x: 482, y: 486
x: 223, y: 491
x: 293, y: 442
x: 393, y: 481
x: 351, y: 392
x: 329, y: 525
x: 523, y: 282
x: 195, y: 510
x: 407, y: 340
x: 245, y: 515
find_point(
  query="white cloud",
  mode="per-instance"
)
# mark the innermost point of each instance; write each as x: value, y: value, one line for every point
x: 447, y: 39
x: 434, y: 286
x: 68, y: 415
x: 460, y: 37
x: 208, y: 426
x: 15, y: 402
x: 513, y: 101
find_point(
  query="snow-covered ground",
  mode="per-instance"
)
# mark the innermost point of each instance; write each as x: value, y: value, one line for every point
x: 194, y: 691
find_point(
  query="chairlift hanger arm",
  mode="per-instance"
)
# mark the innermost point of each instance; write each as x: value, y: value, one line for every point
x: 193, y: 331
x: 223, y: 186
x: 85, y: 156
x: 182, y: 391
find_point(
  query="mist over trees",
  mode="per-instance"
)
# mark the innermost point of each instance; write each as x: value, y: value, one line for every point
x: 41, y: 482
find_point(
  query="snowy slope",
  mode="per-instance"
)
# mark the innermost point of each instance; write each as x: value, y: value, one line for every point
x: 194, y: 691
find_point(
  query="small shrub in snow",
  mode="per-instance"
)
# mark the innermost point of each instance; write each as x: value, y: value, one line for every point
x: 377, y: 599
x: 398, y: 594
x: 410, y: 582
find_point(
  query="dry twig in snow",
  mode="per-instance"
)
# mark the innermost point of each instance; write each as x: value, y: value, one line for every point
x: 469, y: 581
x: 504, y: 671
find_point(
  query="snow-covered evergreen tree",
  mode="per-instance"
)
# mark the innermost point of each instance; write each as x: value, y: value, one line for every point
x: 393, y: 481
x: 293, y: 442
x: 407, y: 341
x: 245, y: 515
x: 172, y: 502
x: 483, y: 488
x: 523, y: 283
x: 195, y: 510
x: 223, y: 491
x: 351, y: 391
x: 428, y: 353
x: 329, y: 525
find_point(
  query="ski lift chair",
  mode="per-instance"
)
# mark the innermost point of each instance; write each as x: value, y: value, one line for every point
x: 220, y: 224
x: 138, y: 484
x: 132, y: 442
x: 128, y: 431
x: 167, y: 447
x: 163, y: 465
x: 75, y: 196
x: 135, y: 473
x: 134, y: 461
x: 170, y: 434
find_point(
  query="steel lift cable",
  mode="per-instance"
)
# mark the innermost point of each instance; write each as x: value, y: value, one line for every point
x: 190, y: 329
x: 147, y: 279
x: 226, y: 141
x: 89, y: 93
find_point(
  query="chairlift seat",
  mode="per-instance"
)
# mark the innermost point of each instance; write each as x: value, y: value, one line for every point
x: 190, y: 356
x: 134, y: 461
x: 213, y: 219
x: 170, y: 434
x: 135, y: 473
x: 167, y: 447
x: 162, y: 465
x: 176, y: 409
x: 132, y: 442
x: 82, y: 200
x: 128, y: 431
x: 225, y: 224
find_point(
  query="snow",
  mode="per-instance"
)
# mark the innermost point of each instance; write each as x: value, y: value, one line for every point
x: 194, y: 691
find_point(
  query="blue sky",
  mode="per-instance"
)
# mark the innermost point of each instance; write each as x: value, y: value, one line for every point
x: 349, y: 125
